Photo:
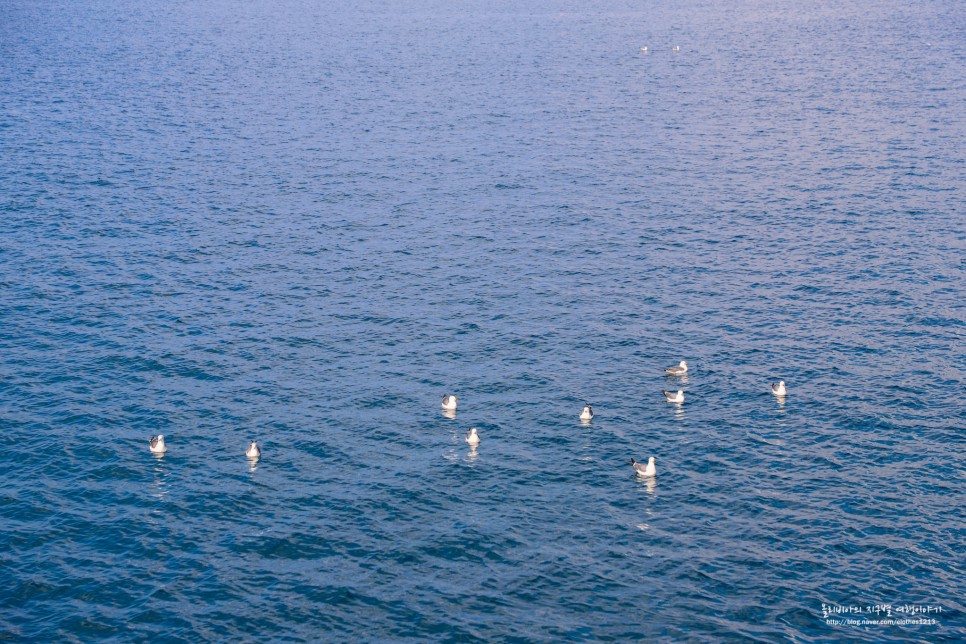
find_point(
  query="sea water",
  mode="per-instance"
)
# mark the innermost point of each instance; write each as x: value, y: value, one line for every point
x: 303, y: 223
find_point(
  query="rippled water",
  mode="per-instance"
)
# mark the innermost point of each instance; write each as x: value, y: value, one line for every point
x: 304, y: 224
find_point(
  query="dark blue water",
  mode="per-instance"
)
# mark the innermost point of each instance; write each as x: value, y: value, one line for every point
x: 303, y: 224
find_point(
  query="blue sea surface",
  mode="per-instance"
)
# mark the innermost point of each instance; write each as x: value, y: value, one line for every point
x: 304, y: 222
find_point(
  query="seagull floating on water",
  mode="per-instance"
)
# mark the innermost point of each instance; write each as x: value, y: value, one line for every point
x: 449, y: 402
x: 254, y: 451
x: 679, y: 370
x: 587, y: 413
x: 157, y: 444
x: 472, y: 437
x: 676, y: 48
x: 644, y: 49
x: 674, y: 398
x: 645, y: 470
x: 779, y: 388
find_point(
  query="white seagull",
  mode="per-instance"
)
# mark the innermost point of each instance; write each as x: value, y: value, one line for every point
x: 679, y: 370
x: 253, y: 451
x: 449, y: 402
x: 644, y: 49
x: 676, y: 48
x: 587, y: 413
x: 642, y: 470
x: 674, y: 398
x: 157, y: 444
x: 779, y: 388
x: 472, y: 437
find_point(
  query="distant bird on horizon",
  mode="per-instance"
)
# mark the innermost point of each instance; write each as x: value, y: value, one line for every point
x: 472, y: 437
x: 779, y: 388
x: 645, y: 470
x: 679, y: 370
x: 254, y: 451
x: 157, y: 444
x: 587, y: 413
x: 674, y: 398
x: 449, y: 402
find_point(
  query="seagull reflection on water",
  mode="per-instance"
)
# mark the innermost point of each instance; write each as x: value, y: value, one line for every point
x: 678, y: 411
x: 160, y: 486
x: 643, y: 525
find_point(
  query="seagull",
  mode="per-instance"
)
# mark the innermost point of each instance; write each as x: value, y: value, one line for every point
x: 587, y: 413
x: 679, y: 370
x: 642, y: 470
x: 778, y: 389
x: 157, y: 444
x: 254, y: 451
x: 676, y: 48
x: 644, y: 49
x: 472, y: 437
x: 675, y: 398
x: 449, y: 402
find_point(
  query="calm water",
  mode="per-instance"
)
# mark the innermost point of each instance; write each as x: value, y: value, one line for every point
x: 305, y: 223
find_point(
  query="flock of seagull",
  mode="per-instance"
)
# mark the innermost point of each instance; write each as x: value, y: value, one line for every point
x: 158, y: 447
x: 587, y: 414
x: 450, y: 402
